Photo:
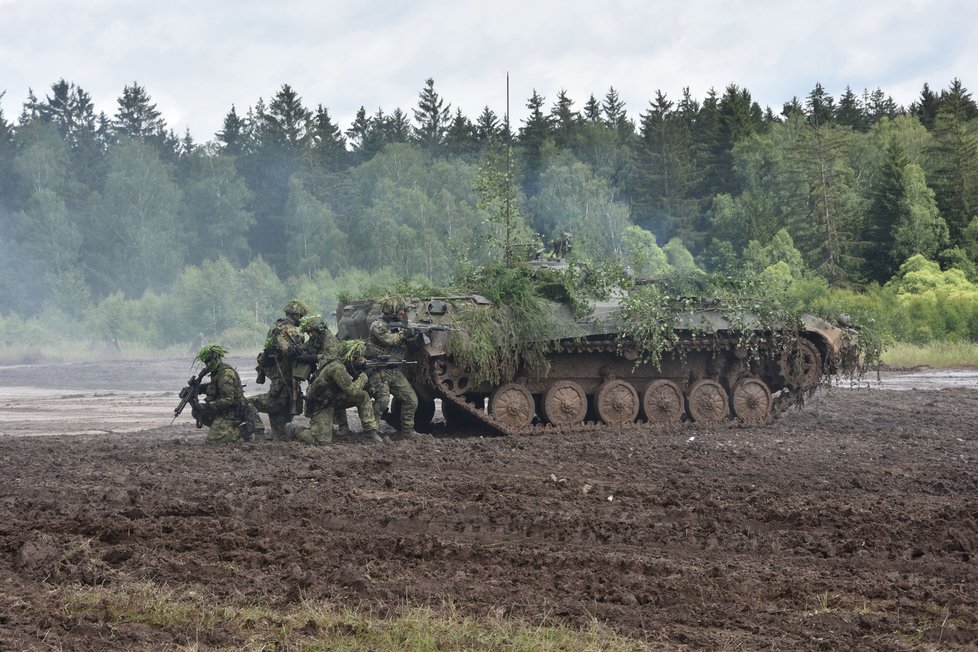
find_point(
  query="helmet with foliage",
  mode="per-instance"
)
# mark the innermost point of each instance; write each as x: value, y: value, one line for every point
x: 296, y: 307
x: 348, y: 350
x: 391, y: 305
x: 211, y: 354
x: 312, y: 323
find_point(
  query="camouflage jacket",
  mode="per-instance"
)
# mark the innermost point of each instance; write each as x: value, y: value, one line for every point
x: 224, y: 391
x: 282, y: 340
x: 334, y: 381
x: 382, y: 341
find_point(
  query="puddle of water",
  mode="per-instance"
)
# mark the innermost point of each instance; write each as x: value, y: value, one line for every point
x: 928, y: 379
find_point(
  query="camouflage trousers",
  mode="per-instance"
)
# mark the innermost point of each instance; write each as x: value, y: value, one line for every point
x: 277, y: 404
x: 320, y: 429
x: 223, y: 430
x: 236, y: 425
x: 391, y: 382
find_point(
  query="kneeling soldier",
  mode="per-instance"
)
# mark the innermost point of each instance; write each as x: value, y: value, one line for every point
x: 334, y: 388
x: 226, y: 412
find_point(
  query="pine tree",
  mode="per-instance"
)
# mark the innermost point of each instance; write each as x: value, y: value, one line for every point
x: 534, y: 133
x: 955, y: 157
x: 359, y: 130
x: 664, y: 174
x: 488, y: 128
x: 397, y: 127
x: 460, y: 139
x: 708, y: 146
x: 879, y: 105
x: 615, y: 116
x: 328, y: 143
x: 956, y: 101
x: 70, y: 108
x: 737, y: 117
x: 433, y: 118
x: 884, y: 214
x: 925, y: 109
x: 565, y: 120
x: 592, y: 110
x: 137, y: 117
x: 819, y: 107
x: 288, y: 124
x: 849, y: 112
x: 832, y: 207
x: 233, y: 135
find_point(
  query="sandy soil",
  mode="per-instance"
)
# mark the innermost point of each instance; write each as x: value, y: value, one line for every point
x: 850, y: 524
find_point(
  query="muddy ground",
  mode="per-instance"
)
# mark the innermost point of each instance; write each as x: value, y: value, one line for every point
x: 850, y: 524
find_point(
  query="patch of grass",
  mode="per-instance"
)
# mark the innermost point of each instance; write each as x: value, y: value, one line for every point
x: 946, y: 355
x: 313, y: 625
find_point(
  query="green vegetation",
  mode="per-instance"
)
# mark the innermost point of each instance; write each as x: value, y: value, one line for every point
x: 113, y: 228
x: 901, y: 355
x: 321, y: 626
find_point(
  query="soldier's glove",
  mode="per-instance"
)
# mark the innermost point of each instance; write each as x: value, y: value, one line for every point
x: 360, y: 366
x: 307, y: 358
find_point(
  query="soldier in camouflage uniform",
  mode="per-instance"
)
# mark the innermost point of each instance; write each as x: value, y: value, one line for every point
x: 277, y: 363
x: 385, y: 342
x: 226, y: 412
x: 333, y: 389
x: 319, y: 339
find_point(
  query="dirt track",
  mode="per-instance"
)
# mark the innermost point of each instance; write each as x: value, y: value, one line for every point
x: 851, y: 524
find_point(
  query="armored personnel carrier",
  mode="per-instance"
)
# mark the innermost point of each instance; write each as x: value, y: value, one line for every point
x: 588, y: 369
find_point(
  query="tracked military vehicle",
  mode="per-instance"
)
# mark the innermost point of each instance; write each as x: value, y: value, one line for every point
x: 715, y: 367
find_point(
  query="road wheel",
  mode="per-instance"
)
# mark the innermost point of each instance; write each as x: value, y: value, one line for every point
x: 707, y: 401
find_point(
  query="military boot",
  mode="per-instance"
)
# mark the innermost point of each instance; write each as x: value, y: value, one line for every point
x: 373, y: 435
x: 291, y: 432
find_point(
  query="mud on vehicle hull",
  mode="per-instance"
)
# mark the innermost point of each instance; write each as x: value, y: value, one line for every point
x: 595, y: 382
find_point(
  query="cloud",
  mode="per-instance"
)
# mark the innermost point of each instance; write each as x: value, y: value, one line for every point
x: 196, y: 59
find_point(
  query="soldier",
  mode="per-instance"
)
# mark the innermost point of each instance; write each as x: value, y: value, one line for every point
x: 385, y: 342
x: 334, y: 388
x: 226, y: 412
x: 319, y: 339
x: 277, y: 363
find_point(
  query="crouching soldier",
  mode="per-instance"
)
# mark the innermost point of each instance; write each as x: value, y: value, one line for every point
x: 228, y: 415
x: 335, y: 388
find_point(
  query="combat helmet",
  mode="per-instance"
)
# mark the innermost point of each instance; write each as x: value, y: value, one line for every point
x: 211, y: 355
x: 296, y: 307
x: 348, y: 350
x: 391, y: 305
x: 312, y: 323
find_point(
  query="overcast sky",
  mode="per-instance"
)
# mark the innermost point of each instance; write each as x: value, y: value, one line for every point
x: 197, y: 58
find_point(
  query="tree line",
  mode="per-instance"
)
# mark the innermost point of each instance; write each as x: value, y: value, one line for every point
x: 97, y: 207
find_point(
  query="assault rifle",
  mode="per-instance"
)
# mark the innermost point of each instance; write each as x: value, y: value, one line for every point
x: 417, y: 331
x: 189, y: 394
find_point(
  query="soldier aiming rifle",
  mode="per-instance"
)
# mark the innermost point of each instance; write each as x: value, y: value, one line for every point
x: 228, y: 415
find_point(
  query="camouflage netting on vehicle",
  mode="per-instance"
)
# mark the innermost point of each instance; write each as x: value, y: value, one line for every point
x: 517, y: 332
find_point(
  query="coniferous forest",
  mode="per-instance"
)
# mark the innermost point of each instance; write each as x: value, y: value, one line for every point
x: 115, y: 226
